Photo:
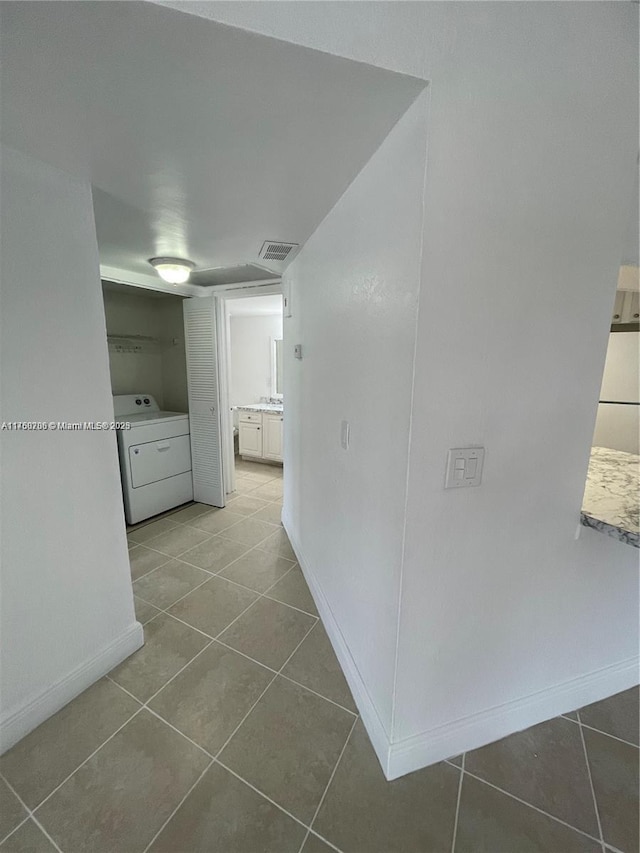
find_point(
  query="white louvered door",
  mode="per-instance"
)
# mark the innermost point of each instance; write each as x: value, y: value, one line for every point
x: 204, y: 403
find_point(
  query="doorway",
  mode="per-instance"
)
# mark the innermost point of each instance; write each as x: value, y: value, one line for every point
x: 250, y: 335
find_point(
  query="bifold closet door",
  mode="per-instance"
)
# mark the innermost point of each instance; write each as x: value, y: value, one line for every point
x: 204, y: 402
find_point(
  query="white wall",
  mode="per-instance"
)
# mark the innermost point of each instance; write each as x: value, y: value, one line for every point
x: 619, y: 426
x: 135, y: 372
x: 531, y: 162
x: 250, y: 350
x: 67, y: 605
x: 159, y: 368
x: 354, y: 310
x: 506, y: 618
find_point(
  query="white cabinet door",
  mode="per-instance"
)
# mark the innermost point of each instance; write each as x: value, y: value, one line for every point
x: 272, y: 438
x: 249, y: 439
x: 204, y: 406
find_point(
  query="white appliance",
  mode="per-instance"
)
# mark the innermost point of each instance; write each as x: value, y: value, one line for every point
x: 155, y: 456
x: 618, y: 421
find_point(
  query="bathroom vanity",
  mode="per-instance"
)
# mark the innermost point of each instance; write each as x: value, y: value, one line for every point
x: 260, y: 432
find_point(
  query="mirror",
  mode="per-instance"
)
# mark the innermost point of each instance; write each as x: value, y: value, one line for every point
x: 276, y: 369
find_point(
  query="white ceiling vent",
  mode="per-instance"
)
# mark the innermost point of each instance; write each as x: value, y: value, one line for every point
x: 274, y: 251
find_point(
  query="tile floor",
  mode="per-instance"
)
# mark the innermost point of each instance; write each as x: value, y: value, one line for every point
x: 233, y: 730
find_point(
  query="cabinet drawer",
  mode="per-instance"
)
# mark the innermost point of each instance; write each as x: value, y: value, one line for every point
x: 250, y: 417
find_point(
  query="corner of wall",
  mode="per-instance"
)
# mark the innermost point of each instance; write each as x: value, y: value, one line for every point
x: 375, y: 728
x: 19, y: 722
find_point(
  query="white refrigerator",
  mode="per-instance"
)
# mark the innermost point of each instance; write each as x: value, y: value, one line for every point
x: 618, y: 421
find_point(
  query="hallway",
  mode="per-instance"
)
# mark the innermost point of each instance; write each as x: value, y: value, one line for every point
x: 233, y: 729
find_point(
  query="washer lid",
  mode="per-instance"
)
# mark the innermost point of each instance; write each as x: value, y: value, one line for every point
x: 142, y: 418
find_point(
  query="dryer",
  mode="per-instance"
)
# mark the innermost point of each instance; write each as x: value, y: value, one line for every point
x: 155, y: 456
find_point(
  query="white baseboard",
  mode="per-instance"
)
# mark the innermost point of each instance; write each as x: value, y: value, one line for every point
x: 487, y: 726
x: 20, y: 722
x: 401, y: 757
x: 372, y: 722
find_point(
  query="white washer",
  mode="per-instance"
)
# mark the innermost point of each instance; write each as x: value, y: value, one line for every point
x: 155, y: 456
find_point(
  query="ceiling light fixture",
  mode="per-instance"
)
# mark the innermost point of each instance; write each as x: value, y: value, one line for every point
x: 173, y: 270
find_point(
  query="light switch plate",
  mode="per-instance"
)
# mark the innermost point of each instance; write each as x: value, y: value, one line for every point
x: 297, y: 351
x: 464, y: 467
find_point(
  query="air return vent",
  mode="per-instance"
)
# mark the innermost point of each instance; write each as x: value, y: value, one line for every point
x: 274, y: 251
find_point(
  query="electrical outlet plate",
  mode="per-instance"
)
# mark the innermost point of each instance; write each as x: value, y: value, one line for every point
x: 464, y: 467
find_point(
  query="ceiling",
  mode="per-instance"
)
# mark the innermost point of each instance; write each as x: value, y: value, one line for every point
x: 200, y: 140
x: 254, y: 306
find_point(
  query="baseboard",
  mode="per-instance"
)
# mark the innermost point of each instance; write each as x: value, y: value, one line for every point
x: 20, y: 722
x: 480, y: 729
x: 402, y: 757
x: 370, y: 717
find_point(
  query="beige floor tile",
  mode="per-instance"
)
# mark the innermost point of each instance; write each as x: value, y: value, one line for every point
x: 316, y: 666
x: 258, y: 570
x: 313, y: 844
x: 120, y: 798
x: 270, y: 491
x: 249, y: 532
x: 245, y: 486
x: 143, y: 561
x: 178, y: 540
x: 362, y: 811
x: 293, y: 590
x: 614, y: 772
x: 189, y: 513
x: 168, y: 646
x: 12, y: 812
x: 144, y: 611
x: 245, y: 505
x: 170, y: 582
x: 540, y: 766
x: 209, y: 698
x: 279, y: 543
x: 213, y: 606
x: 489, y: 821
x: 260, y: 478
x: 42, y: 759
x: 216, y: 520
x: 268, y: 632
x: 288, y: 746
x: 618, y: 715
x: 223, y: 808
x: 271, y: 513
x: 28, y: 839
x: 215, y: 554
x: 143, y: 534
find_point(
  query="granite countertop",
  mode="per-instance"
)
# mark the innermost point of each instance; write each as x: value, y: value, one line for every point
x: 265, y: 408
x: 611, y: 501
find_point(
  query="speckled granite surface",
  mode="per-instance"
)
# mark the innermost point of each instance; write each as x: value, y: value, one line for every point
x: 265, y: 408
x: 611, y: 501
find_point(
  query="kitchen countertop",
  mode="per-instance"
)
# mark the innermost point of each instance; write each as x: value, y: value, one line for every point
x: 611, y: 501
x: 265, y: 408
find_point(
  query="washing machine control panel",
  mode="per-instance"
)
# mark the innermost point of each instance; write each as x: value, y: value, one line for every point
x: 132, y: 404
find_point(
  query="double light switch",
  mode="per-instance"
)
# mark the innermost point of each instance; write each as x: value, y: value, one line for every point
x: 464, y: 467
